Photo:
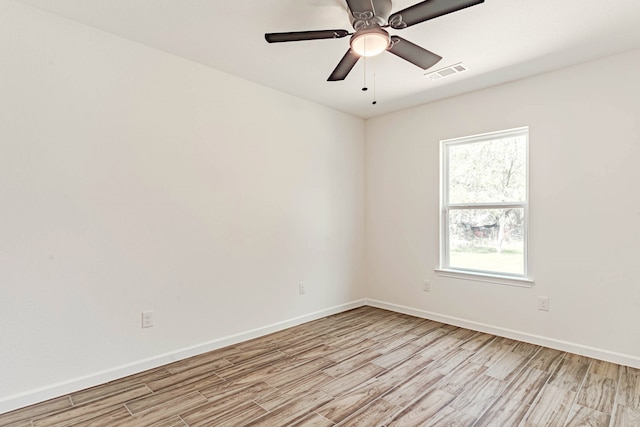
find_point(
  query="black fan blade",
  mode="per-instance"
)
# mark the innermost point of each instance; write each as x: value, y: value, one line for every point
x: 413, y: 53
x: 344, y: 66
x: 426, y: 10
x: 361, y: 9
x: 305, y: 35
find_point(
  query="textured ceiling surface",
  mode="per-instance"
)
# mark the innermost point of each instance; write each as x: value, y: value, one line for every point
x: 498, y: 40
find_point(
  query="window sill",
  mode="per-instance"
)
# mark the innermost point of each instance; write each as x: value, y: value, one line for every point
x: 523, y: 282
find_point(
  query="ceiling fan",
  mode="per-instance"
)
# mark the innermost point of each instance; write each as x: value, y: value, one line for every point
x: 369, y: 19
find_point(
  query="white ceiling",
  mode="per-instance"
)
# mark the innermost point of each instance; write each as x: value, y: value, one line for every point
x: 499, y: 40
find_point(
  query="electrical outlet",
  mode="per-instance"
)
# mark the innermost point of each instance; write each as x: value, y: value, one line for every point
x: 543, y: 303
x: 147, y: 319
x: 426, y: 286
x: 301, y: 289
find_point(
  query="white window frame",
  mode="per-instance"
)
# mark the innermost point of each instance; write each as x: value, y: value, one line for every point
x: 480, y: 275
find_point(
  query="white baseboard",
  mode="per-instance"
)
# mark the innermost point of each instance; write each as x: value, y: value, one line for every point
x: 30, y: 397
x: 596, y: 353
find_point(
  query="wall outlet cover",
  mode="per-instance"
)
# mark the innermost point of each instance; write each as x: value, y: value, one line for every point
x: 147, y: 319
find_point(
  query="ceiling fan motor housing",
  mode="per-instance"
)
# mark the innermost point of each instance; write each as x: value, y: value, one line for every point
x: 362, y: 20
x: 370, y: 41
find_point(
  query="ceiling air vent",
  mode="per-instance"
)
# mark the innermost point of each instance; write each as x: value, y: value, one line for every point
x: 448, y: 71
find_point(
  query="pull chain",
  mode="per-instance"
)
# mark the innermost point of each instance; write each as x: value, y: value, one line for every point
x: 364, y: 58
x: 374, y: 81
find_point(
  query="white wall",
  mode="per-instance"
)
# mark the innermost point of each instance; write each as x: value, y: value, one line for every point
x: 134, y: 180
x: 585, y: 211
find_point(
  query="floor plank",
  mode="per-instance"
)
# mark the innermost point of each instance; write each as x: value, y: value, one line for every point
x: 598, y: 393
x: 296, y: 410
x: 570, y: 374
x: 93, y: 409
x: 551, y: 409
x: 422, y: 410
x: 547, y: 360
x: 587, y: 417
x: 527, y: 385
x: 450, y: 417
x: 313, y: 420
x: 414, y: 387
x: 626, y: 417
x: 628, y: 393
x: 377, y: 414
x: 347, y: 404
x: 352, y: 380
x: 212, y: 415
x: 505, y: 412
x: 27, y: 414
x: 508, y: 367
x: 478, y: 396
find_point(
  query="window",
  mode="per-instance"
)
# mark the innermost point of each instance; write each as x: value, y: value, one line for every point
x: 484, y: 204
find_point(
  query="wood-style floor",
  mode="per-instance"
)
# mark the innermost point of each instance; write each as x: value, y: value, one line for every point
x: 366, y: 367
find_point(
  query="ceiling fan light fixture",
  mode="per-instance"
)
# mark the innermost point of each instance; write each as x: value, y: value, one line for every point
x: 370, y: 41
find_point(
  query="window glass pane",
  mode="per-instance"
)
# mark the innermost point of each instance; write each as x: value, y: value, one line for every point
x: 490, y: 240
x: 488, y: 171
